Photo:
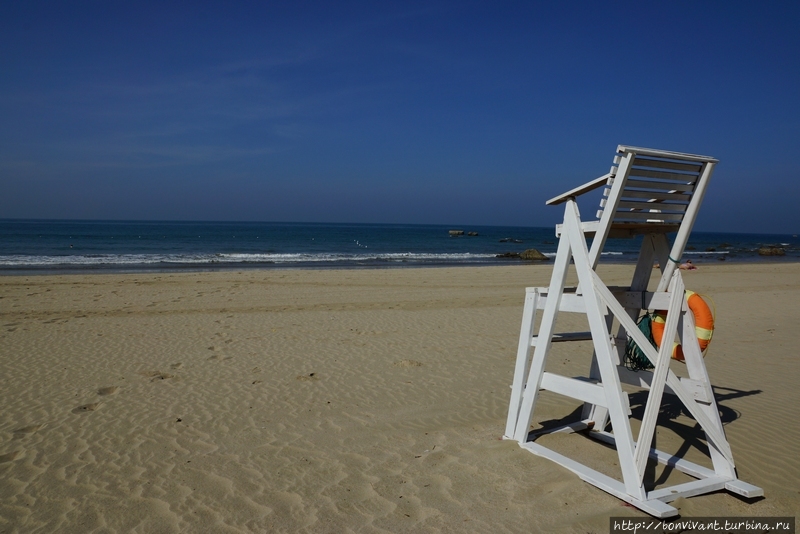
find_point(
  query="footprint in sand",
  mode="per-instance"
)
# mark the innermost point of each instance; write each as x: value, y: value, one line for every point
x: 110, y: 390
x: 86, y: 408
x: 24, y: 431
x: 307, y: 378
x: 30, y: 429
x: 10, y: 456
x: 408, y: 363
x: 156, y: 375
x: 161, y: 376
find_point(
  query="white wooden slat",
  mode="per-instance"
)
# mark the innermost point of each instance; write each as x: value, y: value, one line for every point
x: 653, y: 405
x: 661, y: 206
x: 574, y: 290
x: 744, y: 489
x: 662, y: 164
x: 569, y: 303
x: 685, y: 230
x: 666, y: 154
x: 614, y: 487
x: 574, y: 388
x: 580, y: 190
x: 649, y: 216
x: 688, y: 489
x: 650, y: 203
x: 661, y: 186
x: 641, y: 379
x: 523, y: 358
x: 657, y: 195
x: 699, y: 385
x: 700, y: 391
x: 587, y: 228
x: 558, y: 279
x: 661, y: 175
x: 626, y: 230
x: 599, y: 240
x: 598, y: 415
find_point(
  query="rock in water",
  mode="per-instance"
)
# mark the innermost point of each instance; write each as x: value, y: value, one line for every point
x: 456, y: 232
x: 771, y: 251
x: 533, y: 254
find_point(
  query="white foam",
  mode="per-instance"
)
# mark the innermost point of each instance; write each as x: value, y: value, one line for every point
x: 96, y: 260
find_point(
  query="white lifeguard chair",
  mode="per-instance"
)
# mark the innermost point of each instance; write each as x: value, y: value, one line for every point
x: 650, y: 193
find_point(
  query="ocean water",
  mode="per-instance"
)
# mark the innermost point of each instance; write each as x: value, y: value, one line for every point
x: 56, y: 246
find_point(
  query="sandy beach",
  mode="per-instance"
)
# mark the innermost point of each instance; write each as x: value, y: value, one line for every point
x: 343, y: 401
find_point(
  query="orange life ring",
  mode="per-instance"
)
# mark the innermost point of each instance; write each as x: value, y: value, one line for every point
x: 703, y: 320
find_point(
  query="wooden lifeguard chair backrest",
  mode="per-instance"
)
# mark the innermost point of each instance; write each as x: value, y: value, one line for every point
x: 647, y: 191
x: 654, y: 190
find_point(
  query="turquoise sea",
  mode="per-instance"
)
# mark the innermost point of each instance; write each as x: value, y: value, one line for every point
x: 67, y: 246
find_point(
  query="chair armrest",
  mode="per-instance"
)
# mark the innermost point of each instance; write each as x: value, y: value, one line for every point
x: 585, y: 188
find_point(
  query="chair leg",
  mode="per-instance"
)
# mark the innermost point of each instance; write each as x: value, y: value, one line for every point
x: 534, y: 380
x: 695, y: 365
x: 524, y: 350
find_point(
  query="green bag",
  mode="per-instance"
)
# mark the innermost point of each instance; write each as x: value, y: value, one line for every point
x: 635, y: 359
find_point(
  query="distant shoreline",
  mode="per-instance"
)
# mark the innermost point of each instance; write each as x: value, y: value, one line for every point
x: 30, y: 247
x: 344, y: 266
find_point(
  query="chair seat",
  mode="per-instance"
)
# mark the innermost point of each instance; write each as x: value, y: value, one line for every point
x: 625, y: 230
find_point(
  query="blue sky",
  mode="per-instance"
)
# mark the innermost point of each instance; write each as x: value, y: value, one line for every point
x: 393, y: 112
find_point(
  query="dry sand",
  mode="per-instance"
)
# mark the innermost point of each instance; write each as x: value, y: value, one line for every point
x: 342, y: 401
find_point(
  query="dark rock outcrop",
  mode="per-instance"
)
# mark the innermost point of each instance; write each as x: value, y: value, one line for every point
x: 533, y: 255
x: 771, y: 251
